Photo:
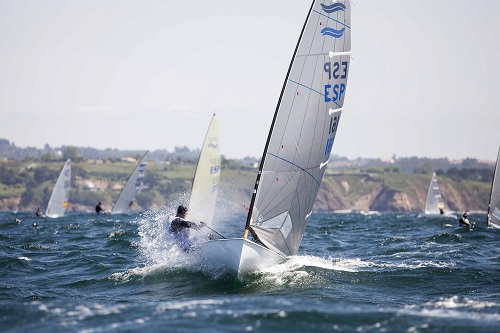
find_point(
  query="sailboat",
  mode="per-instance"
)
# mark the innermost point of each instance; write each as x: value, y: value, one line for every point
x: 123, y: 203
x: 434, y: 205
x: 206, y: 178
x: 59, y: 199
x: 494, y: 204
x: 298, y: 146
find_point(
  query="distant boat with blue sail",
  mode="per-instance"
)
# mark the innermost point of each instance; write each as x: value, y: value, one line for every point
x: 127, y: 196
x: 58, y: 202
x: 298, y: 146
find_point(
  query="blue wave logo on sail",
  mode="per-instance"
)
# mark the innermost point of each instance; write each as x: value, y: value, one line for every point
x: 335, y: 7
x: 332, y: 32
x: 213, y: 145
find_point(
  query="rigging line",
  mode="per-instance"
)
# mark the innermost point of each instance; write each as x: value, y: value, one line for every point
x: 301, y: 168
x: 303, y: 85
x: 206, y: 226
x: 328, y: 17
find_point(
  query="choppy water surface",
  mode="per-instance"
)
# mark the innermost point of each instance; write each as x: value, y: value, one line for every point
x: 354, y: 273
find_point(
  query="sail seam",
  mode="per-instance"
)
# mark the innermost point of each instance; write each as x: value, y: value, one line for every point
x: 328, y: 17
x: 298, y: 166
x: 303, y: 85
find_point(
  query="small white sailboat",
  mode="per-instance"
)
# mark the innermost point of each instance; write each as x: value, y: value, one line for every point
x: 494, y: 204
x: 126, y: 198
x: 434, y: 205
x: 298, y: 147
x: 206, y: 178
x: 59, y: 199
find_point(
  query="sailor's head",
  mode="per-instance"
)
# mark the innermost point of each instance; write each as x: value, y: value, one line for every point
x: 466, y: 215
x: 182, y: 210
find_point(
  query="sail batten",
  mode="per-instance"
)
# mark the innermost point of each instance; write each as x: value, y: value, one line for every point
x: 303, y: 129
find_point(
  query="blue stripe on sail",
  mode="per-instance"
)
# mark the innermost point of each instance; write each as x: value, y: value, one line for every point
x: 300, y: 84
x: 332, y: 32
x: 328, y: 17
x: 335, y: 7
x: 295, y: 165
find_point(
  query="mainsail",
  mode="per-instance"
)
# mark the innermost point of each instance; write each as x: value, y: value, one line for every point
x: 206, y: 178
x: 434, y: 201
x: 303, y: 129
x: 127, y: 196
x: 59, y: 198
x: 494, y: 204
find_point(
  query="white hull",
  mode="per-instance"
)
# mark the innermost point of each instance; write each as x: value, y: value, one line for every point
x: 237, y: 256
x: 493, y: 225
x: 438, y: 216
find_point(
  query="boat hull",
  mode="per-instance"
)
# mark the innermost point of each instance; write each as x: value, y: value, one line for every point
x: 438, y: 216
x: 237, y: 256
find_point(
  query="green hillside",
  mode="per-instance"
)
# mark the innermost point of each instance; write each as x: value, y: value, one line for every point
x: 28, y: 185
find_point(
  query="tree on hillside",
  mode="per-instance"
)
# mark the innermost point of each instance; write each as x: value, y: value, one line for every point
x: 72, y: 154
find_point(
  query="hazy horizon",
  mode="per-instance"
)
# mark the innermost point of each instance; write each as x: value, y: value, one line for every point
x: 148, y: 75
x: 492, y: 160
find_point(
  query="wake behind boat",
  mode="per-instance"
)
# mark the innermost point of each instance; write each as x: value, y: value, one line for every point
x: 298, y: 147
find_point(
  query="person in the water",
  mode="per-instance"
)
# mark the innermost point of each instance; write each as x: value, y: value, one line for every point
x: 179, y: 229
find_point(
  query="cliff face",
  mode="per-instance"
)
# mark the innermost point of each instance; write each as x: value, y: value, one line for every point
x: 397, y: 193
x: 391, y: 192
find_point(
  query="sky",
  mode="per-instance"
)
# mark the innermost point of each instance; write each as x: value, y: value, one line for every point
x: 147, y: 75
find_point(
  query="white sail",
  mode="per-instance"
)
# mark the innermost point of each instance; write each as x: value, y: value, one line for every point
x: 206, y: 179
x: 434, y: 201
x: 494, y: 204
x: 59, y: 198
x: 303, y: 129
x: 298, y: 146
x: 127, y: 196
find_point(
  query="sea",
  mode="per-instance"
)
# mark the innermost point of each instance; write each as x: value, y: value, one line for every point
x: 353, y: 273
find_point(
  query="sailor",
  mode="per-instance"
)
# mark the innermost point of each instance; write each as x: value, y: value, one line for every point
x: 98, y: 208
x: 179, y: 229
x: 464, y: 221
x: 39, y: 212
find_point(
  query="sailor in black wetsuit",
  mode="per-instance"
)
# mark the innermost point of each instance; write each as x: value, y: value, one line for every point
x: 179, y: 229
x: 98, y: 208
x: 464, y: 221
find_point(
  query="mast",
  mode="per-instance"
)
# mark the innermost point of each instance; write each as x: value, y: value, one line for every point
x: 257, y: 181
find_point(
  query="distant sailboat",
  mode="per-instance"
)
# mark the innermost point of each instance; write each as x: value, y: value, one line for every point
x: 434, y: 205
x: 206, y: 178
x: 494, y: 204
x: 59, y: 199
x: 298, y: 147
x: 123, y: 203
